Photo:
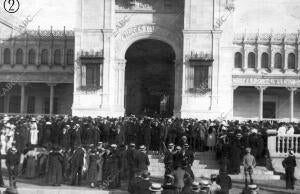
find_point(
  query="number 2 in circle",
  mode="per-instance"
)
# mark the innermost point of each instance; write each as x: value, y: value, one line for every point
x: 11, y: 6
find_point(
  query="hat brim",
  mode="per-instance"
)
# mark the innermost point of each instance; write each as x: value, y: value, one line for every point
x: 155, y: 190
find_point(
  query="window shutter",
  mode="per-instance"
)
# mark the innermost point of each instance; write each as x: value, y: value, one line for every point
x: 83, y: 75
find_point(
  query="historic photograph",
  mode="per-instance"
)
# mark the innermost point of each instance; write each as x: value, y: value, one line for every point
x: 150, y: 96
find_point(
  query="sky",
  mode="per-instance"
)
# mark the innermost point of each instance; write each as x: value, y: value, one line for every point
x: 249, y: 15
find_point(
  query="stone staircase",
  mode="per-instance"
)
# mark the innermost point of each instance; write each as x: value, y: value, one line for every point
x: 205, y: 164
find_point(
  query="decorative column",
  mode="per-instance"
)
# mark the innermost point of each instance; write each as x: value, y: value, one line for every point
x: 261, y: 100
x: 233, y: 91
x: 22, y: 97
x: 245, y: 59
x: 51, y: 98
x: 298, y: 56
x: 292, y: 92
x: 258, y: 57
x: 272, y: 56
x: 285, y: 59
x: 120, y: 83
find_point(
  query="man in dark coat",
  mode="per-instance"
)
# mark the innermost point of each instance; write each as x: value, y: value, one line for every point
x: 132, y: 187
x: 188, y: 159
x: 12, y: 163
x: 142, y: 160
x: 132, y: 167
x: 224, y: 181
x: 76, y: 135
x: 111, y: 168
x: 77, y: 162
x: 144, y: 184
x: 235, y: 158
x: 168, y: 159
x: 289, y: 163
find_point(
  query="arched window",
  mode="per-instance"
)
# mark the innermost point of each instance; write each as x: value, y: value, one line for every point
x: 57, y: 57
x: 238, y: 60
x: 291, y: 61
x: 70, y: 57
x: 44, y: 57
x: 7, y: 56
x: 251, y: 60
x: 278, y: 61
x: 31, y: 57
x: 264, y: 60
x: 19, y: 56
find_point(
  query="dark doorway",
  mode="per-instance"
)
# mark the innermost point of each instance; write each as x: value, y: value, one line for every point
x: 269, y: 110
x: 149, y: 78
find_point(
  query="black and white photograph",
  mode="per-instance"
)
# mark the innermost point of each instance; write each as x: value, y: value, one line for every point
x: 150, y: 96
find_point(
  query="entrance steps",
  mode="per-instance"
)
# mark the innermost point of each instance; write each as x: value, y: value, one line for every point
x: 205, y: 164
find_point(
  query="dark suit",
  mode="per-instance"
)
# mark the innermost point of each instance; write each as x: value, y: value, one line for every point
x: 142, y: 161
x: 289, y: 164
x: 225, y: 182
x: 143, y: 187
x: 169, y: 163
x: 76, y: 165
x: 169, y: 189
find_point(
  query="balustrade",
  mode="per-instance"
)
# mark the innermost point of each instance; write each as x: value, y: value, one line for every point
x: 279, y: 145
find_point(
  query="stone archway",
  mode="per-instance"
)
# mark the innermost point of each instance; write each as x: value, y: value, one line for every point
x: 128, y: 37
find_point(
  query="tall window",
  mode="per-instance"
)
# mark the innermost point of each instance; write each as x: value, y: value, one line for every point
x: 47, y: 105
x: 201, y: 73
x: 57, y: 57
x: 264, y: 60
x: 93, y: 75
x: 291, y: 61
x: 44, y: 57
x: 15, y: 104
x: 278, y: 61
x: 31, y: 104
x: 19, y: 56
x: 31, y: 57
x: 7, y: 56
x: 251, y: 60
x: 238, y: 60
x: 70, y: 57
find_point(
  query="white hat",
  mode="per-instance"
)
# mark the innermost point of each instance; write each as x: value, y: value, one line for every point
x: 48, y: 123
x: 113, y: 145
x: 224, y: 128
x: 252, y: 187
x: 156, y: 187
x: 204, y: 183
x: 254, y: 131
x: 33, y: 119
x: 224, y: 123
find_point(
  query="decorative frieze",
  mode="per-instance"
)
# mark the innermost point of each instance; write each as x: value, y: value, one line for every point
x: 270, y: 82
x: 150, y: 5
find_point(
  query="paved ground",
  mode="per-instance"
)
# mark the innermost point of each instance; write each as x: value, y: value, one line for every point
x: 36, y: 186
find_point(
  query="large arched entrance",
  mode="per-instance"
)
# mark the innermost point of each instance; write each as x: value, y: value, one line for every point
x: 149, y: 78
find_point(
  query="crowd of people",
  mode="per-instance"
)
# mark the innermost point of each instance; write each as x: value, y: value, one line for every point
x: 106, y: 151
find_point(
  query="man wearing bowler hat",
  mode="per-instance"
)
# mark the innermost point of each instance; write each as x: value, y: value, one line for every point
x: 142, y: 160
x: 289, y: 163
x: 168, y: 159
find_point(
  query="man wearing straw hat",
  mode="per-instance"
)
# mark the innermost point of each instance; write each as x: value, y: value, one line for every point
x: 289, y: 163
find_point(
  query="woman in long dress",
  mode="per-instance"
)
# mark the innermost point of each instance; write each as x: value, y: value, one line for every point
x: 31, y: 164
x: 55, y: 167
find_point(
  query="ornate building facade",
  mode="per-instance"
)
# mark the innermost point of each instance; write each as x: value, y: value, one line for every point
x: 36, y: 72
x: 175, y: 57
